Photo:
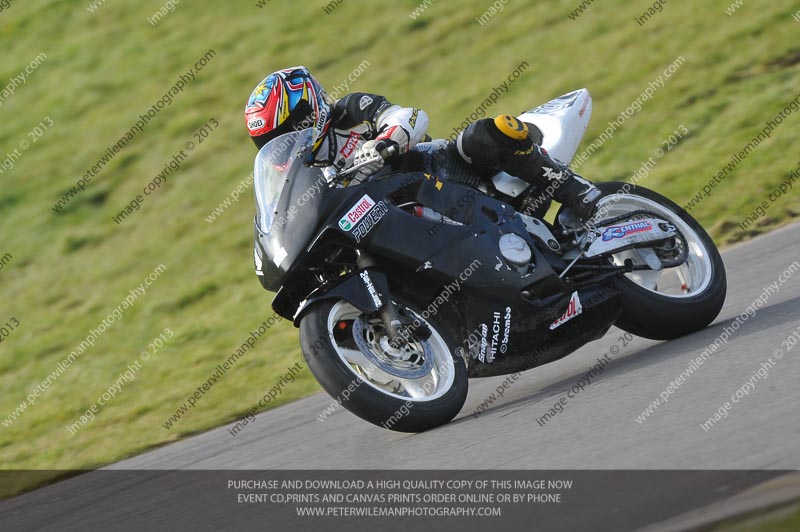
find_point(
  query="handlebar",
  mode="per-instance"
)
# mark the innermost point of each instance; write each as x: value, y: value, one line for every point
x: 385, y: 150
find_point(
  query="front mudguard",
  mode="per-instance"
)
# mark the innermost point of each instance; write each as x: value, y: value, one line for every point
x: 367, y: 290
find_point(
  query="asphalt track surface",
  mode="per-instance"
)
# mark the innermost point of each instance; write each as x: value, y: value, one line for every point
x: 597, y: 429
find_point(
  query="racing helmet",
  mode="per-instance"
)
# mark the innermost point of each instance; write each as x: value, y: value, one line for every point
x: 287, y: 100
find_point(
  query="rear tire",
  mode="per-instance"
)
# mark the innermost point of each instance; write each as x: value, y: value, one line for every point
x: 372, y: 401
x: 652, y: 315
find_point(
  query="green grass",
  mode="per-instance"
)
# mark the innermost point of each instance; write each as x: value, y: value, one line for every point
x: 786, y: 519
x: 102, y: 70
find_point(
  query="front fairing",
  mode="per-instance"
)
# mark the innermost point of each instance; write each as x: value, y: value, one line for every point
x: 289, y: 196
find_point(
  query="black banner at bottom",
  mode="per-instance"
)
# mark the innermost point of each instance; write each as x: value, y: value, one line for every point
x: 353, y: 500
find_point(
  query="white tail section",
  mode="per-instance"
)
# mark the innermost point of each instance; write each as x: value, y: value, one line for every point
x: 563, y: 122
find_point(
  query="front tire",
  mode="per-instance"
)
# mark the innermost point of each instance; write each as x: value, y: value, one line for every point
x: 413, y: 389
x: 655, y: 306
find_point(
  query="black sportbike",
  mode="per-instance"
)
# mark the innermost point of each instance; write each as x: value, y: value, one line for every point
x: 406, y: 285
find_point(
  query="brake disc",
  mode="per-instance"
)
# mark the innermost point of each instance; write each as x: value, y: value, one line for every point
x: 402, y: 369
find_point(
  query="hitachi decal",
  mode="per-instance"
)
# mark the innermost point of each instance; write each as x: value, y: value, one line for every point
x: 573, y: 310
x: 501, y: 328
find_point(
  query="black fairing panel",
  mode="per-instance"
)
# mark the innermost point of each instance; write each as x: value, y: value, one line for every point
x: 295, y: 225
x: 531, y: 343
x: 455, y: 270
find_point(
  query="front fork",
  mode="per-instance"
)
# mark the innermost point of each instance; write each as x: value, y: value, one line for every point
x: 388, y: 311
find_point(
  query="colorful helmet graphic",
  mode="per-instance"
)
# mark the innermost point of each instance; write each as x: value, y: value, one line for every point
x: 287, y: 100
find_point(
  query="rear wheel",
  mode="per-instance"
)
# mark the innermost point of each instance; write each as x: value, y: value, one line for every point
x: 413, y: 388
x: 673, y: 302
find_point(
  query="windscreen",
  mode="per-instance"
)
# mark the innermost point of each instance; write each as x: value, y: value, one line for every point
x: 273, y: 166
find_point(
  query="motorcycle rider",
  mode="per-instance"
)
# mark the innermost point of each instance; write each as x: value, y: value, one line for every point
x: 356, y: 128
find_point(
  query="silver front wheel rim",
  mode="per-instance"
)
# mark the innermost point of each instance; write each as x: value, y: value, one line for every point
x: 421, y: 371
x: 687, y: 280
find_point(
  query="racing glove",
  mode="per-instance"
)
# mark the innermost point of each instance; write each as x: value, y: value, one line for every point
x: 370, y: 157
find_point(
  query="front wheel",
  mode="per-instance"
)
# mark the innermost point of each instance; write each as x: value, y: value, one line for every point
x: 673, y: 302
x: 412, y: 388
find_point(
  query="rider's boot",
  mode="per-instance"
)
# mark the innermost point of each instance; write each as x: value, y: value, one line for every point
x: 568, y: 188
x: 505, y: 143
